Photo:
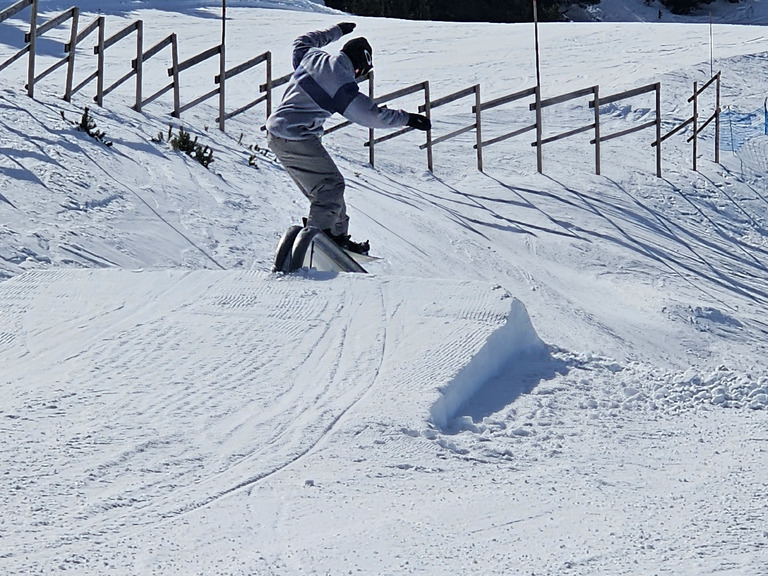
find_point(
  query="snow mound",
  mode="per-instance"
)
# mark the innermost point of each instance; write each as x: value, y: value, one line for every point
x: 513, y: 344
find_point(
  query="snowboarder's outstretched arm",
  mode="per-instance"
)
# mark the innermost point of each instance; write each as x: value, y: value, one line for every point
x: 318, y: 39
x: 362, y: 110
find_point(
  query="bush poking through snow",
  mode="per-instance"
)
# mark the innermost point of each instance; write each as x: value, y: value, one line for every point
x: 183, y: 142
x: 259, y: 152
x: 88, y: 125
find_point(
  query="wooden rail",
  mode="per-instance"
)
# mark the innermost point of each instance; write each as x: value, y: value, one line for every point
x: 500, y: 101
x: 414, y: 89
x: 540, y: 104
x: 694, y: 120
x: 97, y: 24
x: 245, y: 66
x: 477, y: 126
x: 220, y: 79
x: 186, y: 65
x: 596, y: 103
x: 30, y: 44
x: 136, y: 70
x: 30, y: 38
x: 174, y: 85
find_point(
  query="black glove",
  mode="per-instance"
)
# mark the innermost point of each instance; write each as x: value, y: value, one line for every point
x: 419, y: 122
x: 347, y: 27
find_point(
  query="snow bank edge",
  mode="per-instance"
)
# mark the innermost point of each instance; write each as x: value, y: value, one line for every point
x: 515, y: 340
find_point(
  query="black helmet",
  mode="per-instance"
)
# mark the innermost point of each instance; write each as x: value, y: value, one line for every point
x: 360, y: 53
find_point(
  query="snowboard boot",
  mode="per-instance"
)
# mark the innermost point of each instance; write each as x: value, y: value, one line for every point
x: 346, y: 243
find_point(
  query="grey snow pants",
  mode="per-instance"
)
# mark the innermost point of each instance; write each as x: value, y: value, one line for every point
x: 315, y: 173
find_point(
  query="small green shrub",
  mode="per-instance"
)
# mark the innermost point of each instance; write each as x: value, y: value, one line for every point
x: 183, y: 142
x: 88, y: 125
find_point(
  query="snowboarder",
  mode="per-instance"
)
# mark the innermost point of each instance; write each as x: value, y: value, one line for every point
x: 323, y: 84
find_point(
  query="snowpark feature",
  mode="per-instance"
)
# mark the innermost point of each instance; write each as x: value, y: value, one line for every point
x: 545, y: 374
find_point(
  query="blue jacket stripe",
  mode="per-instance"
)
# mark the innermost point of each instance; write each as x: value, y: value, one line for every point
x: 338, y: 103
x: 345, y: 95
x: 315, y: 91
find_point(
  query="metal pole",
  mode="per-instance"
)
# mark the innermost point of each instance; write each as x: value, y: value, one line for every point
x: 371, y: 133
x: 269, y: 84
x: 711, y: 48
x: 539, y: 162
x: 597, y: 129
x: 428, y: 112
x: 479, y: 127
x: 695, y: 122
x: 658, y: 129
x: 536, y: 38
x: 539, y: 133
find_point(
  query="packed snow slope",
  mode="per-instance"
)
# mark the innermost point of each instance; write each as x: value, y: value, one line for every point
x: 556, y: 373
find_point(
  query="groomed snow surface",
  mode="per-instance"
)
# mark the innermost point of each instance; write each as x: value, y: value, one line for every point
x: 543, y: 374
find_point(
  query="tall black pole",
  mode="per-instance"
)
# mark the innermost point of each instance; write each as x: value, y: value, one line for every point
x: 536, y: 34
x: 222, y: 65
x: 539, y: 128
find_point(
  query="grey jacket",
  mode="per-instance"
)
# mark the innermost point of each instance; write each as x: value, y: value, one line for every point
x: 321, y: 85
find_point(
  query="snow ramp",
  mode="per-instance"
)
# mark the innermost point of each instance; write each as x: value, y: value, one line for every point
x: 154, y: 393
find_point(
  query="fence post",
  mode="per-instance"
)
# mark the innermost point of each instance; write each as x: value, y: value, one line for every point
x: 269, y: 84
x: 597, y: 130
x: 100, y: 63
x: 222, y: 91
x: 71, y: 57
x: 539, y: 130
x: 695, y: 122
x: 717, y: 121
x: 371, y: 131
x: 479, y: 127
x: 32, y: 50
x: 428, y: 112
x: 139, y: 63
x: 175, y: 74
x: 658, y: 129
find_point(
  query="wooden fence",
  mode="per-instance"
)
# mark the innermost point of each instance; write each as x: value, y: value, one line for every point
x: 477, y: 126
x: 30, y: 44
x: 500, y: 101
x: 174, y: 85
x: 72, y: 14
x: 656, y: 122
x: 478, y: 109
x: 77, y: 36
x: 97, y: 24
x: 415, y: 89
x: 694, y: 120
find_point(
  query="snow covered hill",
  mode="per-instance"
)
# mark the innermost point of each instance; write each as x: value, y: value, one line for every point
x: 550, y: 374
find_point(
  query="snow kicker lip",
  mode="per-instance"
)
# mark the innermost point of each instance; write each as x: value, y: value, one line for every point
x: 515, y: 341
